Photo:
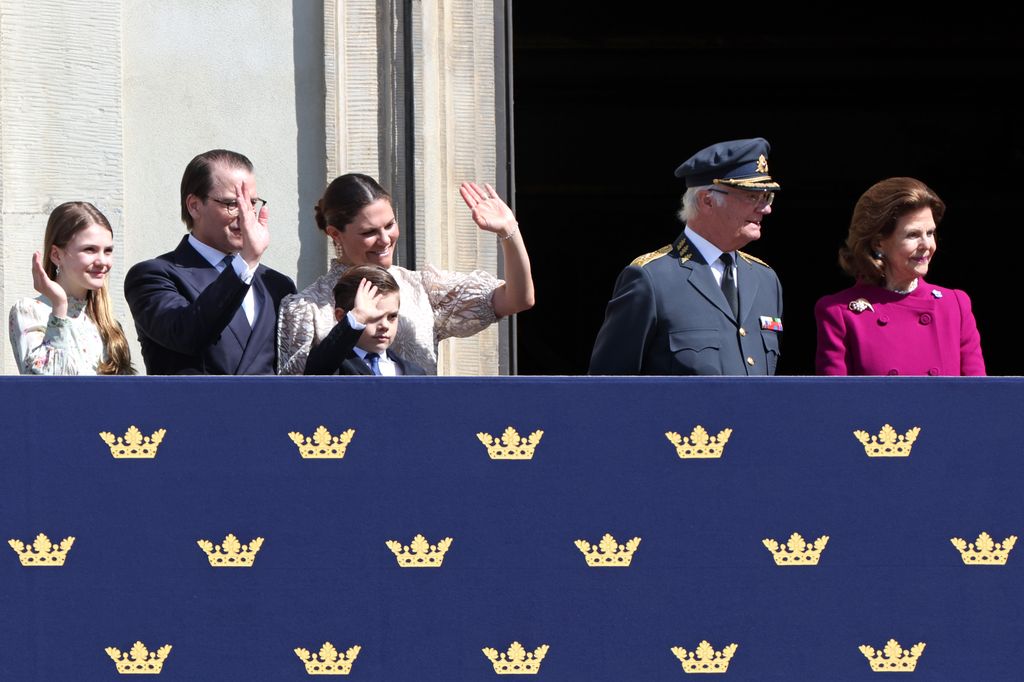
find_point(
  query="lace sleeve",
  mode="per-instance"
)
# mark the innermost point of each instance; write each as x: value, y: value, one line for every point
x: 461, y: 303
x: 43, y: 343
x: 294, y: 334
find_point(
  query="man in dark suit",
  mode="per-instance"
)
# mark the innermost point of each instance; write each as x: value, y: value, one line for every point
x: 699, y: 305
x: 209, y: 306
x: 366, y: 300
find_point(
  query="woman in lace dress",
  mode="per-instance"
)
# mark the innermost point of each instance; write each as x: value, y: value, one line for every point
x: 356, y: 214
x: 70, y: 328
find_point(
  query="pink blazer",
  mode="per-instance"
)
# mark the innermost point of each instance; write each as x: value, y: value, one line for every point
x: 930, y: 331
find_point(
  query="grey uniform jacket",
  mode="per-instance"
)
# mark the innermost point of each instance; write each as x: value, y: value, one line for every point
x: 668, y: 315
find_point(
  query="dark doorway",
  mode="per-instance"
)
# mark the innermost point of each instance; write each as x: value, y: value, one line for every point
x: 608, y: 102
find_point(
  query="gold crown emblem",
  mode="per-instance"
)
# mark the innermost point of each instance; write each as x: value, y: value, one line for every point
x: 134, y: 445
x: 608, y: 552
x: 328, y: 661
x: 419, y: 553
x: 705, y: 659
x: 796, y: 552
x: 983, y: 551
x: 517, y: 661
x: 42, y: 552
x: 699, y: 445
x: 232, y: 554
x: 762, y: 164
x: 888, y: 443
x: 322, y: 445
x: 511, y: 445
x: 140, y: 660
x: 893, y: 658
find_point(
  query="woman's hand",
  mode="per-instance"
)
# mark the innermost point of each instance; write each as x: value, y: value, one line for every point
x: 490, y: 213
x: 42, y: 283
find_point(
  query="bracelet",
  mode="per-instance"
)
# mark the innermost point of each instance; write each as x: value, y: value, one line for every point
x: 510, y: 234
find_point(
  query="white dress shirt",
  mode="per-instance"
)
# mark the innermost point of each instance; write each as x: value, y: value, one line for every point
x: 244, y: 272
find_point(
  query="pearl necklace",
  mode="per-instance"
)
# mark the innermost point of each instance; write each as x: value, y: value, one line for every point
x: 913, y: 285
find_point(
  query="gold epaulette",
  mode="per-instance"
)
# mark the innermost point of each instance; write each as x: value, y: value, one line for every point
x: 648, y: 257
x: 752, y: 259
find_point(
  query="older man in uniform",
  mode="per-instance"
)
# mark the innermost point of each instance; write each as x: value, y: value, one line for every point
x: 699, y: 305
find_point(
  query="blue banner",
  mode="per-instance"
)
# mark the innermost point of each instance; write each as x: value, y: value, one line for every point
x: 789, y: 550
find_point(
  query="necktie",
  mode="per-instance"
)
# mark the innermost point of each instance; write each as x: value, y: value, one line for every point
x: 373, y: 360
x: 241, y: 316
x: 729, y: 285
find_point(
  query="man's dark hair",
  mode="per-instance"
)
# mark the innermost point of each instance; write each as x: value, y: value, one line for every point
x: 198, y: 176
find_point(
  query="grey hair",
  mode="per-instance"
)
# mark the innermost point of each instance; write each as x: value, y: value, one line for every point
x: 689, y: 202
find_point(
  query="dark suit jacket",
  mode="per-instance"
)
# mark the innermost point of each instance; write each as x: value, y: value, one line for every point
x: 668, y: 315
x: 189, y: 317
x: 334, y: 355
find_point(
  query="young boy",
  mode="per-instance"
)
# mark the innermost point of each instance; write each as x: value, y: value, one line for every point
x: 366, y: 301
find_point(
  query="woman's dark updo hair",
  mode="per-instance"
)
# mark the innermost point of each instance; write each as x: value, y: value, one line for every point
x: 345, y: 197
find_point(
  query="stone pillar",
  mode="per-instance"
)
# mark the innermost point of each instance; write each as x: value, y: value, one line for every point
x: 60, y: 131
x: 451, y: 52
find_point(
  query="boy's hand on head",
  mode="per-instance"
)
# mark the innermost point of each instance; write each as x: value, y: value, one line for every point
x: 365, y: 306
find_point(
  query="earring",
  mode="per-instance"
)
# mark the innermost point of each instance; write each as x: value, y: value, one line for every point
x: 56, y: 272
x: 879, y: 255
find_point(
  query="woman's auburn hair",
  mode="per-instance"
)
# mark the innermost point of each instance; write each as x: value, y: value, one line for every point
x: 64, y: 223
x: 874, y: 218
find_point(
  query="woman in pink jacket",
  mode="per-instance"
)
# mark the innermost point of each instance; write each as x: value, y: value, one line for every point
x: 892, y: 321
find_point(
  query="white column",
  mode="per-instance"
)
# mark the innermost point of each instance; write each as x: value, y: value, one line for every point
x: 60, y: 131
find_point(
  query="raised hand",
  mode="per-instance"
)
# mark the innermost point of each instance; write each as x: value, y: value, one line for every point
x: 490, y: 213
x: 365, y: 306
x: 42, y: 283
x: 255, y: 235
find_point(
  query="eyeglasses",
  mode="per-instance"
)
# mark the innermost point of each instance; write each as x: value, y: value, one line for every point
x: 757, y: 199
x: 232, y: 206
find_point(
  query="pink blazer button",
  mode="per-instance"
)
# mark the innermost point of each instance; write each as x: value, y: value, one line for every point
x: 883, y: 320
x: 893, y: 372
x: 933, y: 371
x: 926, y: 318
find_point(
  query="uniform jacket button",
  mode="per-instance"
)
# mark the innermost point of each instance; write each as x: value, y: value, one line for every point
x: 743, y: 332
x: 750, y: 361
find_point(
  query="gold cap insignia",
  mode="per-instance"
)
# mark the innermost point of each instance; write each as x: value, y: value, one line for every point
x: 893, y: 658
x: 705, y: 659
x: 134, y: 445
x: 232, y: 554
x: 512, y: 445
x: 983, y: 551
x: 322, y: 445
x: 517, y: 661
x: 419, y: 553
x: 762, y: 164
x: 140, y: 660
x: 699, y: 445
x: 608, y: 552
x: 888, y: 443
x: 42, y: 552
x: 328, y: 661
x: 796, y: 552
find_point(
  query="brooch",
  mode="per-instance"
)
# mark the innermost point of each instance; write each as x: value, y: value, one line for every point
x: 936, y: 293
x: 860, y: 305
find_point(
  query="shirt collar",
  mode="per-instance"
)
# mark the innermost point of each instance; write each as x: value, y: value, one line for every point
x: 212, y: 255
x: 709, y: 251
